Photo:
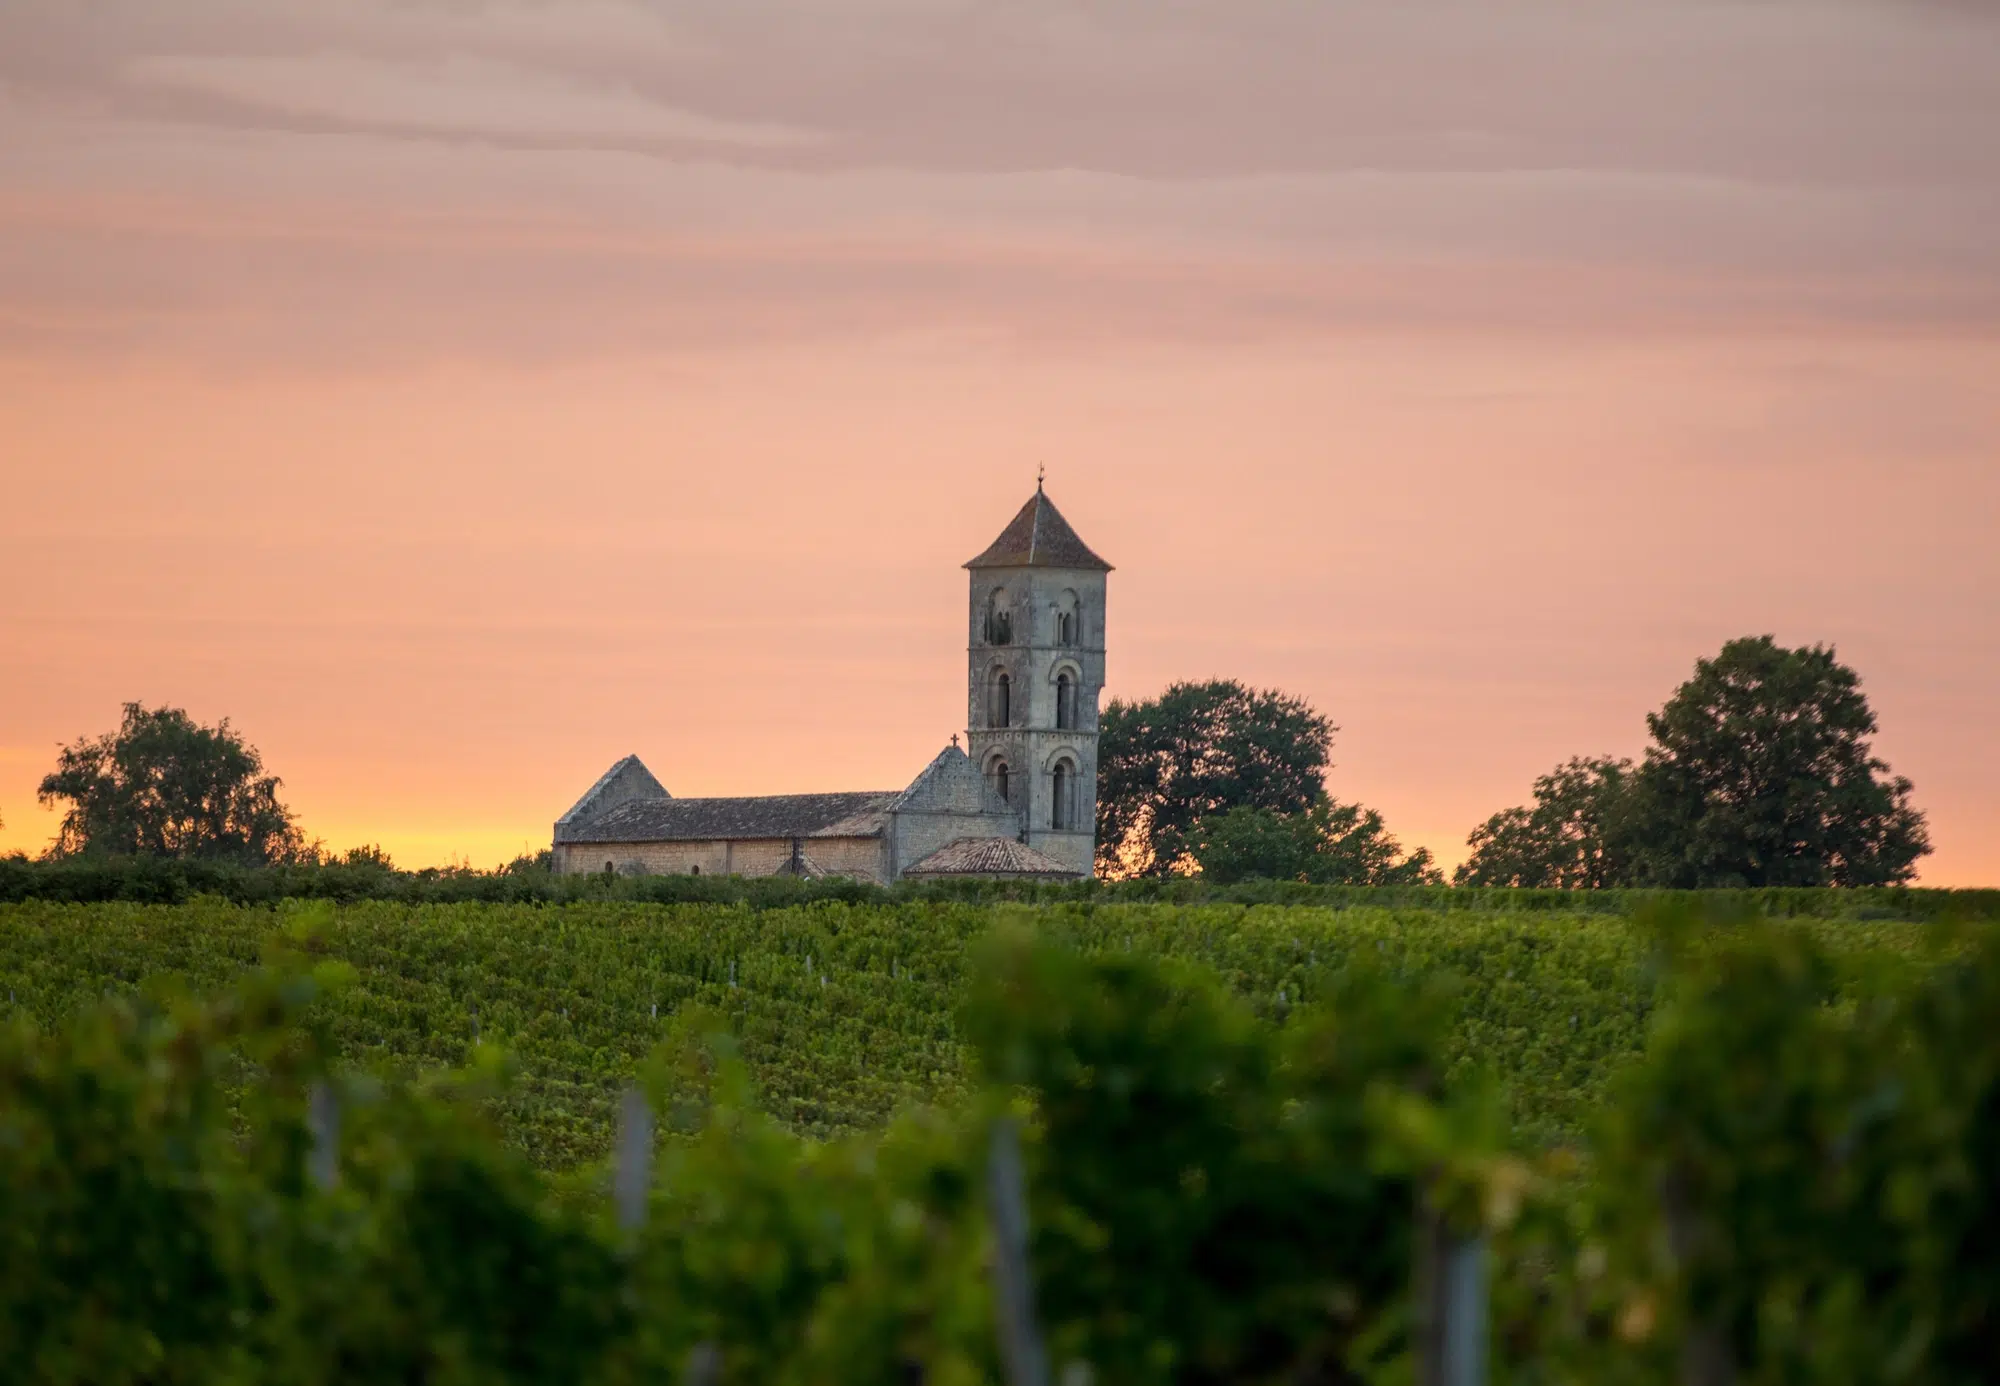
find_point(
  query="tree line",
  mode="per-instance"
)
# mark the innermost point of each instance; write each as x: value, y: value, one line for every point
x: 1759, y: 774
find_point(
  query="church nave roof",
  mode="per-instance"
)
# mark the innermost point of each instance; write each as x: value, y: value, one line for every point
x: 754, y: 818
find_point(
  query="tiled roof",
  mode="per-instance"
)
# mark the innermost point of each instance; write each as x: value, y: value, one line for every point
x: 990, y: 856
x: 715, y: 820
x: 1039, y: 537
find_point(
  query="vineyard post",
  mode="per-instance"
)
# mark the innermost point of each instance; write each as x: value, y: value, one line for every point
x: 1705, y: 1356
x: 634, y: 1174
x: 1014, y: 1291
x: 1451, y: 1301
x: 1465, y: 1301
x: 323, y: 1122
x: 704, y: 1365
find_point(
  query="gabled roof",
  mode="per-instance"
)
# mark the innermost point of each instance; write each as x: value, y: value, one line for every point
x: 625, y: 781
x: 991, y: 856
x: 952, y: 784
x: 714, y: 820
x: 1039, y: 537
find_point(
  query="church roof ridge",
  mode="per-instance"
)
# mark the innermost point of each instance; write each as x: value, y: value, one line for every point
x: 643, y: 785
x: 854, y: 813
x: 1039, y: 537
x: 952, y: 760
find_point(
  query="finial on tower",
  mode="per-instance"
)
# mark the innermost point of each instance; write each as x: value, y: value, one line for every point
x: 1041, y: 470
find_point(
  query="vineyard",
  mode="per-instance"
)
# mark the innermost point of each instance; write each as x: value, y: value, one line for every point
x: 1191, y: 1145
x: 844, y: 1011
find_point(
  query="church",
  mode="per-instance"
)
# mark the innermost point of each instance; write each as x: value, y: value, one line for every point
x: 1019, y: 802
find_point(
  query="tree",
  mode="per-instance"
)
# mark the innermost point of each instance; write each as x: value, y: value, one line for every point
x: 1578, y: 835
x: 1197, y: 750
x: 163, y: 785
x: 1330, y: 843
x: 1761, y: 774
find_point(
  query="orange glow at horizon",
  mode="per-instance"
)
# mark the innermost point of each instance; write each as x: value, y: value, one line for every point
x: 457, y: 402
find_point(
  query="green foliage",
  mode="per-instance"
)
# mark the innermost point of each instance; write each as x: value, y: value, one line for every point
x: 843, y: 1013
x: 1328, y: 844
x: 1798, y: 1184
x: 1208, y: 1198
x: 163, y: 785
x: 1761, y: 775
x: 150, y: 880
x: 164, y: 1238
x: 1165, y: 764
x: 1795, y: 1180
x: 1578, y: 835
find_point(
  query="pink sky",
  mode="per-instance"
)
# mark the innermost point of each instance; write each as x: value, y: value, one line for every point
x: 461, y: 396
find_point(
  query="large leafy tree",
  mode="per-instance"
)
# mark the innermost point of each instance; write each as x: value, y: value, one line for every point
x: 1761, y: 774
x: 1330, y: 843
x: 1577, y: 835
x: 1197, y: 750
x: 163, y: 785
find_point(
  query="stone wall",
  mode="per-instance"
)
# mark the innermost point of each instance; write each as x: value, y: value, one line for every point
x: 949, y: 800
x: 1033, y: 656
x: 858, y: 856
x: 914, y: 836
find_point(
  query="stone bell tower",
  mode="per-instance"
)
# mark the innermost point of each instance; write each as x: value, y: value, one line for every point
x: 1035, y: 668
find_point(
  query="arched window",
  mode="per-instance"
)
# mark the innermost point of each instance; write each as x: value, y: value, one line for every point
x: 608, y: 869
x: 1060, y: 809
x: 1000, y: 701
x: 999, y: 625
x: 1065, y: 701
x: 1000, y: 781
x: 695, y: 870
x: 1069, y: 618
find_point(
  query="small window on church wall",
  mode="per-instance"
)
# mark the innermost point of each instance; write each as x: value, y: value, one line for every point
x: 1000, y: 781
x: 1001, y: 703
x: 1065, y: 702
x: 1059, y: 802
x: 1065, y: 628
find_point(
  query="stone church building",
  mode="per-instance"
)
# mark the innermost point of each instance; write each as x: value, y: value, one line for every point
x: 1020, y: 801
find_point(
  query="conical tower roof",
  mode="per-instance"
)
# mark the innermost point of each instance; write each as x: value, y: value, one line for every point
x: 1039, y: 537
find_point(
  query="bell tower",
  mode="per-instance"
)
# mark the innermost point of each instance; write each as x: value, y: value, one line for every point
x: 1035, y: 669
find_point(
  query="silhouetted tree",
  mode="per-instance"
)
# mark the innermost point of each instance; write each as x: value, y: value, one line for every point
x: 1578, y: 834
x: 1761, y: 774
x: 1330, y: 843
x: 1197, y: 750
x: 162, y: 785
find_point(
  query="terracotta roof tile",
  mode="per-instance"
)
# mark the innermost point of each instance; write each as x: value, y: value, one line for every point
x: 990, y: 856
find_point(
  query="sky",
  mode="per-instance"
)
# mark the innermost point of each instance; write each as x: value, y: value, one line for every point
x: 458, y: 395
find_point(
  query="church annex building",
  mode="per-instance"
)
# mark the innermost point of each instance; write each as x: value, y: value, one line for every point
x: 1021, y: 804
